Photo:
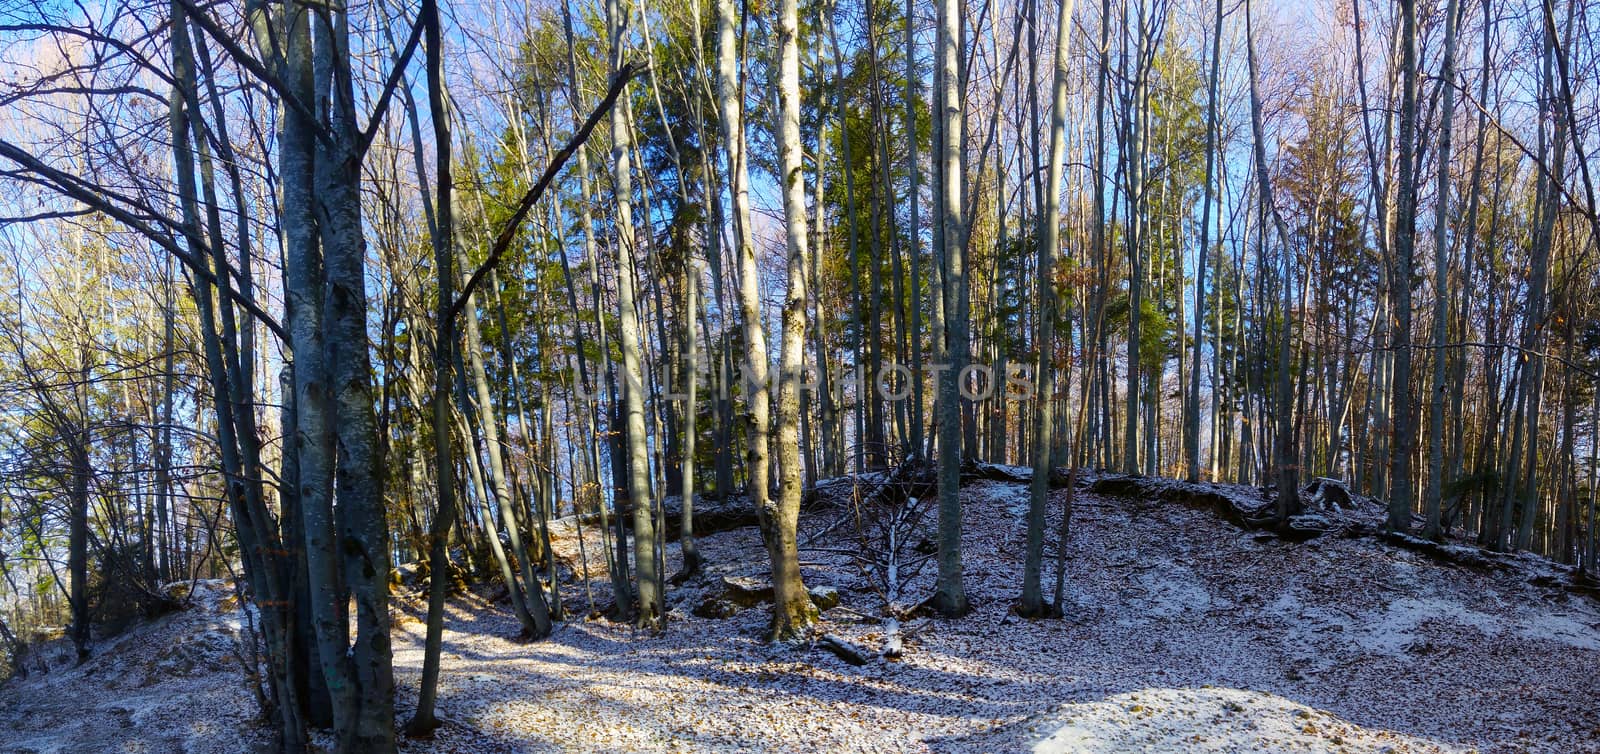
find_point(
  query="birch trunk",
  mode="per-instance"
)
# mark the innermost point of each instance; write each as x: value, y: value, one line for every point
x: 651, y: 610
x: 753, y: 377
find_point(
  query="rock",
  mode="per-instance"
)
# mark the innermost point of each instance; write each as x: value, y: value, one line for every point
x: 824, y: 597
x: 177, y: 591
x: 1329, y: 495
x: 1306, y: 527
x: 714, y: 608
x: 746, y: 591
x: 741, y: 592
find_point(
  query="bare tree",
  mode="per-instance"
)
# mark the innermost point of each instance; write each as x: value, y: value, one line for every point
x: 792, y: 610
x: 950, y: 596
x: 1044, y: 378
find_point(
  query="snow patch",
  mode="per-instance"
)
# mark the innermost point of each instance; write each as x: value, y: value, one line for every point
x: 1408, y: 624
x: 1210, y: 720
x: 1165, y: 592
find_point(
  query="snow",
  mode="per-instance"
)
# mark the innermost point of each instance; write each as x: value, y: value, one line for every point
x: 173, y: 685
x: 1403, y: 625
x: 1562, y: 629
x: 1210, y: 720
x: 1225, y: 643
x: 1006, y: 496
x: 1167, y: 608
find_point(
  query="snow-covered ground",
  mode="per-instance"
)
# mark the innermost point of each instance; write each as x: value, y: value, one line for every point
x: 1182, y: 633
x: 173, y: 685
x: 1209, y: 719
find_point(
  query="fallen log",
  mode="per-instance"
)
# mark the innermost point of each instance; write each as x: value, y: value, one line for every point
x: 975, y: 470
x: 1471, y: 557
x: 844, y: 650
x: 742, y: 592
x: 1231, y: 502
x: 710, y: 515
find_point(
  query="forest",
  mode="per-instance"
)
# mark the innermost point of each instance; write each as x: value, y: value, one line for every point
x: 395, y: 344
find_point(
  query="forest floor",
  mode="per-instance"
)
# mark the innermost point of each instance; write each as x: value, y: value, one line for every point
x: 174, y: 684
x: 1182, y: 634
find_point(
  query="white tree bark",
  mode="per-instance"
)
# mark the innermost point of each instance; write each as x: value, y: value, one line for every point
x: 1044, y: 377
x: 754, y: 377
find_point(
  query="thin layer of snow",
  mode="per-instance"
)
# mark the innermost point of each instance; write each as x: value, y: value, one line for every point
x: 1009, y: 497
x: 1159, y: 597
x: 175, y: 685
x: 1156, y: 721
x: 1377, y: 644
x: 1406, y: 626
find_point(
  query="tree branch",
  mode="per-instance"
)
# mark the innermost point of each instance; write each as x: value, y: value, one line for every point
x: 389, y: 86
x: 74, y: 187
x: 254, y: 66
x: 24, y: 219
x: 509, y: 230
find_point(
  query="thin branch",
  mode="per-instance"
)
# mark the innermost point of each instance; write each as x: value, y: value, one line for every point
x: 91, y: 35
x: 251, y: 64
x: 1568, y: 363
x: 509, y: 230
x: 25, y: 219
x: 76, y: 188
x: 396, y: 76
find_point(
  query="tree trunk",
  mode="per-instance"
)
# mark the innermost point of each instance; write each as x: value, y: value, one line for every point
x: 753, y: 373
x: 1191, y: 417
x: 1285, y: 458
x: 792, y: 611
x: 1441, y: 282
x: 423, y: 719
x: 914, y: 200
x: 1400, y: 498
x: 1049, y: 231
x: 651, y: 610
x: 950, y: 597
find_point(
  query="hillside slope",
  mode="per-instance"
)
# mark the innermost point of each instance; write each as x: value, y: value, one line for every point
x: 173, y: 685
x: 1182, y: 633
